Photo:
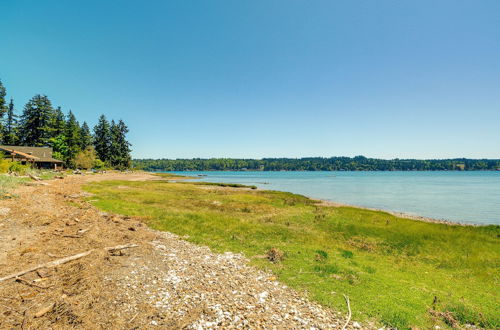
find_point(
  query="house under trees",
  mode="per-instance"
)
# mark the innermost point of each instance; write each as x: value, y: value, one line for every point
x: 40, y: 157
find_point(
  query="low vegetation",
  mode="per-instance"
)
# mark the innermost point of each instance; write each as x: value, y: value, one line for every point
x: 400, y: 272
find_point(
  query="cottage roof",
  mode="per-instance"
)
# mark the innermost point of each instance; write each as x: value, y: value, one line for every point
x: 37, y: 154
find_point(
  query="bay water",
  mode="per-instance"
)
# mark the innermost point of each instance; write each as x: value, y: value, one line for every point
x: 464, y: 197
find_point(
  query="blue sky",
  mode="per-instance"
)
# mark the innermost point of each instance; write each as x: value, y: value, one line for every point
x: 266, y: 78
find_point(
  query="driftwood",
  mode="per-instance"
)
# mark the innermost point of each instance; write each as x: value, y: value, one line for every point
x: 36, y: 178
x: 64, y: 260
x: 50, y: 264
x: 120, y: 247
x: 21, y: 280
x: 79, y: 233
x: 44, y: 310
x: 349, y: 310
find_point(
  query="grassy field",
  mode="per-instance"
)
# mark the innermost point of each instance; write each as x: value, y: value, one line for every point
x: 399, y: 272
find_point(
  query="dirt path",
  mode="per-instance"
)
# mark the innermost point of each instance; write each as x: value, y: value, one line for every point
x: 165, y: 282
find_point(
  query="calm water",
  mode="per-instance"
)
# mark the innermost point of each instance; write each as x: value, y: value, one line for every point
x: 467, y: 197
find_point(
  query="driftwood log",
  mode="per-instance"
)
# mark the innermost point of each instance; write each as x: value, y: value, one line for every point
x: 34, y: 177
x: 64, y: 260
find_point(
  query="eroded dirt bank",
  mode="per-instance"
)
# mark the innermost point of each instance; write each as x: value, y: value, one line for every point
x: 164, y: 282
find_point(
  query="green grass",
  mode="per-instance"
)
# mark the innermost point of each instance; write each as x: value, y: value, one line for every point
x: 9, y: 183
x: 398, y: 272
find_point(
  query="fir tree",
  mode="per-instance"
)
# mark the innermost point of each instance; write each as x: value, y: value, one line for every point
x: 102, y: 139
x: 58, y: 123
x: 3, y: 107
x: 72, y: 134
x: 10, y: 130
x: 3, y: 102
x: 120, y: 147
x: 124, y: 145
x: 85, y: 136
x: 35, y: 128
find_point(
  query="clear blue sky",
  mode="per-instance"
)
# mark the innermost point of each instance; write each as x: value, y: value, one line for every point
x: 266, y: 78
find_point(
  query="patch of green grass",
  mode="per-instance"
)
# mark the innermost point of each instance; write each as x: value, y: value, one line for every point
x: 393, y: 269
x: 9, y: 183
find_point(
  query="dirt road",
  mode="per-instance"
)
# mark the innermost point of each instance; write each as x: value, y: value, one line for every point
x: 164, y: 282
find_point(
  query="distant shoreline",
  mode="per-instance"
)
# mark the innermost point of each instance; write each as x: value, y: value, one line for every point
x: 358, y: 163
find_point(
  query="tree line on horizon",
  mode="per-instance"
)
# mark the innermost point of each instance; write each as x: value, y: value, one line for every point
x: 358, y: 163
x: 42, y: 125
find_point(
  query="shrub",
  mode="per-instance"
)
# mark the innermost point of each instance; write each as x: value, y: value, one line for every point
x: 99, y: 164
x: 18, y: 168
x: 275, y: 255
x: 85, y: 159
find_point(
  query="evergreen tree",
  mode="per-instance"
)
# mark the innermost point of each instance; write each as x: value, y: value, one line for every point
x: 10, y: 130
x: 119, y: 145
x: 72, y: 134
x: 35, y: 128
x: 3, y: 102
x: 3, y: 107
x: 58, y: 123
x: 126, y: 159
x: 85, y: 136
x: 102, y: 139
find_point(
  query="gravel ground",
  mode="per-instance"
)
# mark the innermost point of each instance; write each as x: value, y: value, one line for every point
x: 192, y: 287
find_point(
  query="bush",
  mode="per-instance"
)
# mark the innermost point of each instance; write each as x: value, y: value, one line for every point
x: 99, y: 164
x: 85, y: 159
x: 18, y: 168
x: 275, y: 255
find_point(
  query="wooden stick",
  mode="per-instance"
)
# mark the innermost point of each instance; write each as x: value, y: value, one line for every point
x: 349, y: 315
x: 120, y: 247
x: 25, y: 317
x: 133, y: 318
x: 50, y: 264
x: 34, y: 177
x: 64, y: 260
x: 22, y: 280
x: 44, y: 310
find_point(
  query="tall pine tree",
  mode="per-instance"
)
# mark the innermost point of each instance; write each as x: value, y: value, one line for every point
x: 119, y: 145
x: 72, y: 134
x: 126, y: 159
x: 36, y: 120
x: 85, y: 136
x: 102, y: 139
x: 58, y: 122
x: 10, y: 129
x: 3, y: 107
